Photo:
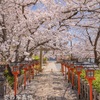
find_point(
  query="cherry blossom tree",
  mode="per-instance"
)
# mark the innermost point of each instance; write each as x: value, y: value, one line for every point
x: 23, y: 30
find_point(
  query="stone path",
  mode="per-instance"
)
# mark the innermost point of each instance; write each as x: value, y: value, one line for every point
x: 49, y: 85
x: 53, y: 66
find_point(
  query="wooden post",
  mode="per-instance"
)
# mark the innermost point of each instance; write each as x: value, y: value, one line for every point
x: 72, y: 77
x: 88, y: 89
x: 15, y: 86
x: 32, y: 72
x: 82, y: 88
x: 79, y: 85
x: 15, y: 72
x: 90, y: 84
x: 85, y: 89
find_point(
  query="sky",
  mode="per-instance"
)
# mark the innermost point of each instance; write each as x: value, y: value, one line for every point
x: 41, y: 6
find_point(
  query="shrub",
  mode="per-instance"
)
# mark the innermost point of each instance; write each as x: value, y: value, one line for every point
x: 22, y: 71
x: 45, y: 60
x: 9, y: 78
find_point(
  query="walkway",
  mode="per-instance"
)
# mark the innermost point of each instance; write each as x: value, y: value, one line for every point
x: 49, y: 85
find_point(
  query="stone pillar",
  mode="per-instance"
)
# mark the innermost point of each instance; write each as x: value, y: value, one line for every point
x: 2, y: 82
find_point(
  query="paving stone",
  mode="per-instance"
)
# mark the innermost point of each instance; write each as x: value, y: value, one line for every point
x: 47, y: 86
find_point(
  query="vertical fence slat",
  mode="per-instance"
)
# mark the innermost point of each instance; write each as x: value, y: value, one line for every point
x: 99, y: 96
x: 88, y: 92
x: 94, y: 94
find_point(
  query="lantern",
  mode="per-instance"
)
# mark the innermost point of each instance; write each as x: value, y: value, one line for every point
x: 79, y: 69
x: 30, y: 70
x: 25, y: 68
x: 72, y: 66
x: 90, y: 78
x: 90, y: 74
x: 78, y: 72
x: 15, y: 72
x: 15, y: 69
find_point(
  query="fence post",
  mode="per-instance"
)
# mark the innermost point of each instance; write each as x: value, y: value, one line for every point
x: 88, y: 92
x: 85, y: 90
x: 65, y: 73
x: 99, y: 97
x: 94, y: 94
x: 20, y: 83
x: 81, y: 90
x: 76, y: 82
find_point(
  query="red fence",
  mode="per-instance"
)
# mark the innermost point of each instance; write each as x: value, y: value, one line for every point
x: 84, y: 90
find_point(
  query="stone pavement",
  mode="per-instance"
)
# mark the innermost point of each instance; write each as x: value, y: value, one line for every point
x: 49, y: 85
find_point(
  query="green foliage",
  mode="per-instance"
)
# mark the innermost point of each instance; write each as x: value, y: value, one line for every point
x: 22, y: 71
x: 44, y: 60
x: 36, y: 58
x: 9, y: 78
x: 83, y: 74
x: 6, y: 73
x: 96, y: 82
